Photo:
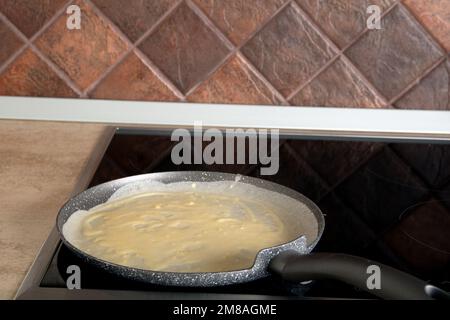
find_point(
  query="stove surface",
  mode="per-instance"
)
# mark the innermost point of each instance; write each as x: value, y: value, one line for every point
x: 385, y: 201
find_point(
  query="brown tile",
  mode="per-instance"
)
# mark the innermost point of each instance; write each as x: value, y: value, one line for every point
x: 239, y: 19
x: 184, y: 48
x: 134, y: 17
x: 431, y: 93
x: 133, y: 80
x: 234, y: 82
x: 342, y: 20
x: 335, y: 160
x: 30, y: 16
x: 288, y: 50
x: 10, y: 42
x: 396, y: 55
x: 422, y: 239
x: 28, y: 75
x: 83, y: 54
x: 337, y: 86
x: 435, y: 16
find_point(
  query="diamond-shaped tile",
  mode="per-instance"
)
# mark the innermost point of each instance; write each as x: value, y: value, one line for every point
x: 133, y: 80
x: 396, y: 55
x: 335, y: 160
x: 29, y: 16
x: 134, y: 17
x: 337, y: 86
x: 238, y: 19
x: 382, y: 190
x: 432, y: 161
x: 10, y: 42
x: 184, y: 48
x: 234, y: 82
x: 431, y: 93
x: 288, y: 50
x: 28, y: 75
x: 342, y: 20
x: 83, y: 54
x: 435, y: 15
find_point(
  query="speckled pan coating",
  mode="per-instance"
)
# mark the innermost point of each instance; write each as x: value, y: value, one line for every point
x: 101, y: 193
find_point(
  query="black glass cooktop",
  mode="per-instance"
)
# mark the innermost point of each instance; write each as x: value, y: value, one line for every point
x: 389, y: 202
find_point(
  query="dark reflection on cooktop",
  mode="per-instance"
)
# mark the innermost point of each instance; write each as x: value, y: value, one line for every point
x: 387, y: 202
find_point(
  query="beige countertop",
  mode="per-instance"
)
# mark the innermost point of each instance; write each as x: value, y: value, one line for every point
x: 41, y: 165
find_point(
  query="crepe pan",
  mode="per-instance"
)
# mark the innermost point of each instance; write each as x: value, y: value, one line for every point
x: 291, y: 261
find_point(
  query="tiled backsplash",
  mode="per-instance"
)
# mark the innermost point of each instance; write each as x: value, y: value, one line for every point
x: 278, y: 52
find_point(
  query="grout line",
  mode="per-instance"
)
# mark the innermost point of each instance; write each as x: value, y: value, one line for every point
x: 24, y: 38
x: 313, y: 77
x: 29, y: 45
x: 52, y: 20
x: 389, y: 103
x: 340, y: 54
x: 235, y: 50
x: 57, y: 70
x: 89, y: 89
x: 417, y: 81
x: 367, y: 30
x: 367, y: 82
x: 215, y: 30
x: 208, y: 22
x: 20, y: 35
x: 108, y: 22
x: 133, y: 47
x: 309, y: 20
x: 158, y: 22
x: 149, y: 63
x: 208, y: 75
x: 264, y: 24
x: 13, y: 57
x: 423, y: 28
x: 261, y: 77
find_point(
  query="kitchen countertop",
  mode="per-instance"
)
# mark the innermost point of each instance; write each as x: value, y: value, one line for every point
x: 41, y: 165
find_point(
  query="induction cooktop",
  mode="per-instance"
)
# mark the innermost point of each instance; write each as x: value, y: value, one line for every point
x: 385, y: 200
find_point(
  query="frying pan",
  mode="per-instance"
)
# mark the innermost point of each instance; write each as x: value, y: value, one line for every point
x: 291, y: 261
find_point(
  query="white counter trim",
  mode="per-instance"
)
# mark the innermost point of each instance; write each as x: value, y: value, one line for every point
x: 310, y: 121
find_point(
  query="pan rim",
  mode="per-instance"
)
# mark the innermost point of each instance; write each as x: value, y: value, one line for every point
x: 130, y: 179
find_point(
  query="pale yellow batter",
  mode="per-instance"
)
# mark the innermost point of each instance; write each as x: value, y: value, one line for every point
x: 182, y: 231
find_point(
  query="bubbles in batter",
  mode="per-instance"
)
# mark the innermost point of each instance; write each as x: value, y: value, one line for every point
x: 189, y: 228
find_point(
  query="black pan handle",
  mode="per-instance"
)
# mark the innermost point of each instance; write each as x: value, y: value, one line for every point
x: 393, y: 283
